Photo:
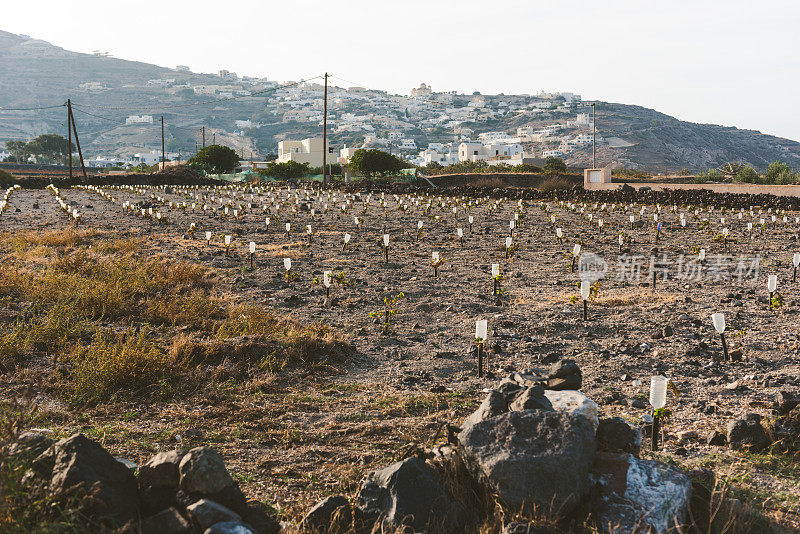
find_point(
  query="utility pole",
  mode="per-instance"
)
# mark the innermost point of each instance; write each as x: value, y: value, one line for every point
x: 71, y: 119
x: 69, y: 135
x: 594, y: 134
x: 204, y: 136
x: 325, y: 134
x: 163, y: 155
x: 214, y: 138
x: 195, y: 148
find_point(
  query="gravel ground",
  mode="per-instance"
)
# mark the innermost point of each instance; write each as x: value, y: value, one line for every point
x: 307, y: 435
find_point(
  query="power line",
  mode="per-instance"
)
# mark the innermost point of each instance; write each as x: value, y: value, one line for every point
x: 76, y: 108
x: 32, y: 109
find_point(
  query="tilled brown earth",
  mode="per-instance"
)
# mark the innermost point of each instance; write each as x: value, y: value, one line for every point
x: 293, y: 437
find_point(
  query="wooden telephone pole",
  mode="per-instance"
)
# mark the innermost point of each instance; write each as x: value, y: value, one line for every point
x: 325, y: 135
x: 204, y: 136
x: 71, y: 128
x: 163, y: 156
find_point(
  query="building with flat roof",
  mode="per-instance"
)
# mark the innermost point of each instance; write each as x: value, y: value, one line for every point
x: 305, y: 151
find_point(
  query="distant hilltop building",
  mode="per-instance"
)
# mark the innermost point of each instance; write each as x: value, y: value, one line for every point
x: 227, y: 75
x: 139, y: 119
x: 183, y: 68
x: 421, y: 91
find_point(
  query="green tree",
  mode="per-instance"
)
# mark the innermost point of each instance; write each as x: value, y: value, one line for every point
x: 288, y: 171
x: 215, y: 159
x: 18, y: 149
x: 371, y: 161
x: 49, y: 147
x: 554, y: 165
x: 747, y: 174
x: 779, y: 173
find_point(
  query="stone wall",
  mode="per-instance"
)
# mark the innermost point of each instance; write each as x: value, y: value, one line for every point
x: 750, y: 189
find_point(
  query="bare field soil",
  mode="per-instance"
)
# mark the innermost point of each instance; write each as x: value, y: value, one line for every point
x: 294, y: 433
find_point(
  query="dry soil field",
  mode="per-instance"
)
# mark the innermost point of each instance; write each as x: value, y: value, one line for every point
x: 304, y: 410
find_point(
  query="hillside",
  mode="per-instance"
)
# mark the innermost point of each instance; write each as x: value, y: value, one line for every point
x: 106, y: 90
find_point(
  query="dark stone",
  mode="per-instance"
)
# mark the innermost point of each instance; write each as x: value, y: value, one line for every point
x: 332, y: 514
x: 230, y: 497
x: 202, y: 470
x: 408, y: 495
x: 509, y: 389
x: 154, y: 500
x: 83, y: 469
x: 785, y: 401
x: 260, y: 518
x: 161, y: 470
x: 532, y: 458
x: 205, y: 513
x: 531, y: 398
x: 565, y: 374
x: 748, y: 434
x: 614, y: 434
x: 717, y: 439
x: 28, y: 446
x: 494, y: 404
x: 169, y: 521
x: 230, y: 527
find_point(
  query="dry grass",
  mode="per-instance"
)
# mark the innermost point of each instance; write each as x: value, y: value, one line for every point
x: 80, y: 296
x: 111, y: 363
x: 555, y: 184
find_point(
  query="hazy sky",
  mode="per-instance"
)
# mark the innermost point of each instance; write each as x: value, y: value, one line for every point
x: 731, y: 62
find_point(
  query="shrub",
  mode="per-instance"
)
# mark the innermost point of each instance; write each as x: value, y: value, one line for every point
x: 779, y: 173
x: 114, y: 363
x: 747, y: 174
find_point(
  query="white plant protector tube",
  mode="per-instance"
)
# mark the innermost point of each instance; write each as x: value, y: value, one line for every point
x: 772, y: 283
x: 227, y: 240
x: 576, y: 250
x: 702, y: 255
x: 385, y: 240
x: 287, y: 263
x: 718, y: 319
x: 509, y: 241
x: 495, y: 270
x: 585, y: 289
x: 796, y: 259
x: 208, y: 236
x: 460, y: 232
x: 481, y: 330
x: 658, y: 391
x: 435, y: 256
x: 288, y: 227
x: 252, y: 247
x: 346, y: 238
x: 326, y: 278
x: 559, y: 233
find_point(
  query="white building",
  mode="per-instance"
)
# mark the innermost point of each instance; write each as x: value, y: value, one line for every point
x: 306, y: 151
x: 406, y: 144
x: 148, y: 158
x: 139, y: 119
x: 244, y: 124
x: 345, y: 154
x: 556, y: 153
x: 482, y: 152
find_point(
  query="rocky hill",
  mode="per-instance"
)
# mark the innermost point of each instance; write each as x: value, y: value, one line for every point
x: 106, y: 90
